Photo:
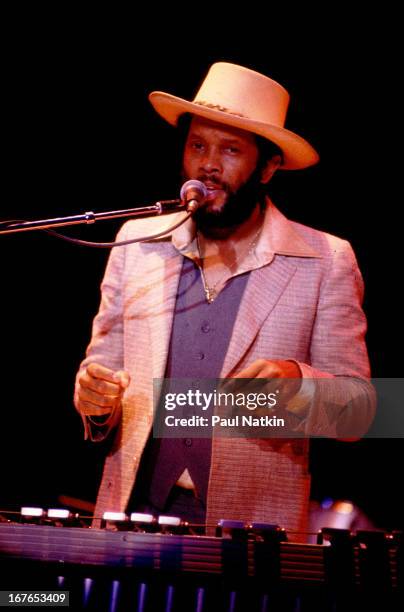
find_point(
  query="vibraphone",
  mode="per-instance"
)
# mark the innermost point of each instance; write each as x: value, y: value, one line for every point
x: 148, y: 565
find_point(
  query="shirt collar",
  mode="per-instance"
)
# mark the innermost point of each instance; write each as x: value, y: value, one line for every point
x: 278, y: 237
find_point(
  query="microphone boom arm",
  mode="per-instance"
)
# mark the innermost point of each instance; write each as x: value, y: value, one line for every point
x: 162, y: 207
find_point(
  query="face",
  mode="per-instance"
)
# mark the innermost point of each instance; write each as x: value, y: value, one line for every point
x: 225, y: 160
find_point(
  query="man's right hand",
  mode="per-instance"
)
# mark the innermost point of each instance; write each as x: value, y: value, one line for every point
x: 99, y: 390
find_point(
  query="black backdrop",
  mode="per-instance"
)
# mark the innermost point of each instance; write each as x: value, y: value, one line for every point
x: 81, y: 135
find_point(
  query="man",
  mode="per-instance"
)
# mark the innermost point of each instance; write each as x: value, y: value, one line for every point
x: 240, y: 291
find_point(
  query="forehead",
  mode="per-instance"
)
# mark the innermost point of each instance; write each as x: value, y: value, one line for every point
x: 206, y: 128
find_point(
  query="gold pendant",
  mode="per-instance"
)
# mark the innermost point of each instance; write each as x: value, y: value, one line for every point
x: 210, y: 294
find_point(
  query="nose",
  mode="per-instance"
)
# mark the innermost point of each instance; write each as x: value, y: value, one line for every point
x: 211, y: 161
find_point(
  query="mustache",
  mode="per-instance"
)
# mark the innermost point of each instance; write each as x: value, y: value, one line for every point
x: 213, y: 180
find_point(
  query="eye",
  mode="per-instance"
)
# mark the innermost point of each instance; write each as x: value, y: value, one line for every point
x: 196, y: 145
x: 232, y: 149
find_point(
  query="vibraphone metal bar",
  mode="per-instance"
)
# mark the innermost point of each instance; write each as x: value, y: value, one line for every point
x: 250, y: 569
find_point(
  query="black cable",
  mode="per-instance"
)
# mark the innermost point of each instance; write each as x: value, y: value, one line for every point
x: 106, y: 245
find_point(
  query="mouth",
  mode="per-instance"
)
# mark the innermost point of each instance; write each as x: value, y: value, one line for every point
x: 211, y: 185
x: 213, y: 193
x: 214, y: 190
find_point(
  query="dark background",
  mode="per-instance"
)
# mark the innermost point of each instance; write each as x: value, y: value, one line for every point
x: 80, y: 135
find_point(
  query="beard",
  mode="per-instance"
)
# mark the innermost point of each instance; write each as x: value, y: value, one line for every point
x: 220, y: 222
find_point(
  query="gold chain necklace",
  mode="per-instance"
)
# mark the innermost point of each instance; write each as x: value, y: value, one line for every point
x: 210, y: 290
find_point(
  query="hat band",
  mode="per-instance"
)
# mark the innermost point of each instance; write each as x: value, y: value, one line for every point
x: 223, y: 109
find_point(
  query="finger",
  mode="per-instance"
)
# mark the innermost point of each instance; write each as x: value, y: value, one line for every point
x: 99, y: 386
x: 236, y: 385
x: 122, y: 377
x: 253, y: 370
x: 90, y: 409
x: 97, y: 370
x: 104, y: 401
x: 248, y: 379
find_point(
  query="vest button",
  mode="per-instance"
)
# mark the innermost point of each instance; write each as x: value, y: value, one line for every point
x: 200, y: 355
x: 205, y: 327
x: 188, y: 442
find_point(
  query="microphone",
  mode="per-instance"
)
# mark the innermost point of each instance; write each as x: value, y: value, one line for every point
x: 193, y: 193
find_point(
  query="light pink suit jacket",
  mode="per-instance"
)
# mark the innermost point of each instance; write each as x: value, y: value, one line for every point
x: 304, y: 305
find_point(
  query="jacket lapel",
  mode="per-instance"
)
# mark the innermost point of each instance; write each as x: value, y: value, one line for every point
x: 264, y: 288
x: 279, y: 246
x: 163, y: 273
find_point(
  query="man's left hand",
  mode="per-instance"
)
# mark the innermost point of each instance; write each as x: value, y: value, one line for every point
x: 275, y: 368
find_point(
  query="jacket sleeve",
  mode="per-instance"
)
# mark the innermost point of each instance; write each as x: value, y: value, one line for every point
x: 106, y: 344
x: 342, y: 399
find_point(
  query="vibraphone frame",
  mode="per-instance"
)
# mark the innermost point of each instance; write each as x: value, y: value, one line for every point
x: 254, y: 569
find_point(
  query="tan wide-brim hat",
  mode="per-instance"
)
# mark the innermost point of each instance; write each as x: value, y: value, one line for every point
x: 245, y: 99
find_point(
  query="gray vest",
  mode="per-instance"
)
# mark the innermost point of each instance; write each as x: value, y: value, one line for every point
x: 200, y: 337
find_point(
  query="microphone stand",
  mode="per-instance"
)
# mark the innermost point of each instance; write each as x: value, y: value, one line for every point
x: 162, y: 207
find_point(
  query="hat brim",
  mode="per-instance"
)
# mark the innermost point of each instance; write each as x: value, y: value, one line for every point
x: 297, y: 152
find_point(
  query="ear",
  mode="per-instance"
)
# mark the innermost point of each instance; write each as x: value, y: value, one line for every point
x: 270, y: 168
